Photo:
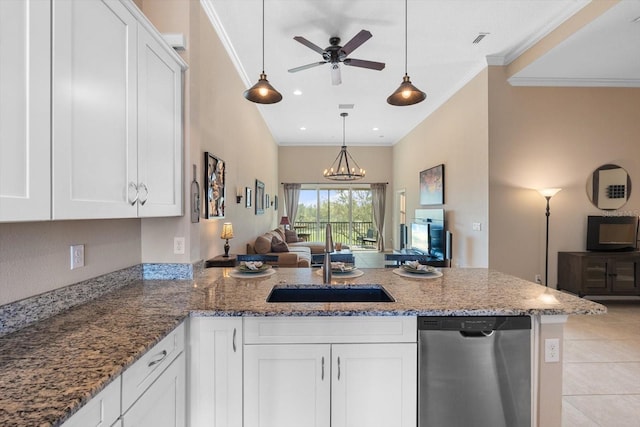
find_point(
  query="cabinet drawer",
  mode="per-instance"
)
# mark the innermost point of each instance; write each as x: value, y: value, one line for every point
x: 137, y: 378
x: 101, y: 410
x: 292, y: 330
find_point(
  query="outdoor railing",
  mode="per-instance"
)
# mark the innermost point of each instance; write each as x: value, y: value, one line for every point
x: 342, y: 231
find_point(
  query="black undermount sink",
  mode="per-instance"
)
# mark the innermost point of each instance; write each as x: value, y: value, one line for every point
x: 329, y: 293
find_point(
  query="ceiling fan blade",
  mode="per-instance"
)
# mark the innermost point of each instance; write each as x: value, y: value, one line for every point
x: 304, y: 67
x: 336, y: 76
x: 356, y: 41
x: 308, y: 44
x: 364, y: 64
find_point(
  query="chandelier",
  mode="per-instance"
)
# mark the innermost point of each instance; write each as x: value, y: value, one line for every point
x: 344, y: 168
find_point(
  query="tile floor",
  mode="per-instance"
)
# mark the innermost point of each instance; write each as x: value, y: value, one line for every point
x: 601, y: 385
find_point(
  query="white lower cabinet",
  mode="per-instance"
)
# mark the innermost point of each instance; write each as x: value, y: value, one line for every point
x: 215, y: 372
x: 370, y: 383
x: 102, y: 411
x: 163, y: 403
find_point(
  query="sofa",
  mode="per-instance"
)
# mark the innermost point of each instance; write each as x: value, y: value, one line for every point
x: 291, y: 250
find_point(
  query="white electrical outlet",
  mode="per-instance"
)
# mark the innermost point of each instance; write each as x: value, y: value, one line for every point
x: 538, y: 279
x: 552, y: 350
x: 77, y: 256
x: 178, y: 245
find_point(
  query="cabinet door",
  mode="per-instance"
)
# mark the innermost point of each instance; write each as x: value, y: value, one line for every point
x: 287, y: 385
x: 625, y: 275
x: 102, y: 410
x: 215, y: 372
x: 595, y: 275
x: 374, y: 385
x: 163, y: 404
x: 94, y: 110
x: 25, y: 46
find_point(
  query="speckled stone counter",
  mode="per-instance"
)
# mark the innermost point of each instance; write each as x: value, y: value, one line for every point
x: 51, y: 368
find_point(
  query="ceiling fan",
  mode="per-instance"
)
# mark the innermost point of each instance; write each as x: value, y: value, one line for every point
x: 336, y: 54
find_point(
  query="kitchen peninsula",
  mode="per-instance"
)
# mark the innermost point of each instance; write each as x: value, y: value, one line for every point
x: 50, y: 369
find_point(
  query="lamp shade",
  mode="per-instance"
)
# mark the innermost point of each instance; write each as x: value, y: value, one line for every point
x: 262, y: 92
x: 284, y: 220
x: 406, y: 94
x: 227, y: 231
x: 549, y: 192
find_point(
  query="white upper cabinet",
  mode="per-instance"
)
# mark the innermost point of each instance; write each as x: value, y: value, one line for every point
x: 117, y: 115
x: 25, y: 129
x: 159, y: 129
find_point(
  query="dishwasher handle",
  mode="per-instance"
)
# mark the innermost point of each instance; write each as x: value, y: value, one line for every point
x: 476, y: 334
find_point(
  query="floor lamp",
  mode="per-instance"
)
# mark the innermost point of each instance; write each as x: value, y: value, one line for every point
x: 547, y: 193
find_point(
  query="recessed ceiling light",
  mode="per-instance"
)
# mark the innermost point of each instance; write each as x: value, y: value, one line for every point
x: 303, y: 128
x: 297, y: 92
x: 376, y: 129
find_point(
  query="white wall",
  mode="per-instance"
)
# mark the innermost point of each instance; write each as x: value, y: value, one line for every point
x: 552, y: 137
x: 455, y: 135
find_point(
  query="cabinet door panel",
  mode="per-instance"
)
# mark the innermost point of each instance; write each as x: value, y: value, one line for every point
x: 215, y: 372
x: 287, y: 385
x: 374, y: 385
x: 94, y: 109
x: 596, y: 271
x: 159, y: 129
x: 625, y: 279
x: 163, y: 404
x: 25, y: 180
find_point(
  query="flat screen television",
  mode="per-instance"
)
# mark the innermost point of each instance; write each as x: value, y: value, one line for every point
x: 428, y: 234
x: 612, y: 233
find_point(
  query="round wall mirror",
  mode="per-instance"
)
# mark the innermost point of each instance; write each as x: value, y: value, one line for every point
x: 609, y: 187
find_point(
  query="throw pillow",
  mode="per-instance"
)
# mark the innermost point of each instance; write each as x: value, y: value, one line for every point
x: 262, y: 245
x: 278, y: 232
x: 278, y: 245
x: 291, y: 236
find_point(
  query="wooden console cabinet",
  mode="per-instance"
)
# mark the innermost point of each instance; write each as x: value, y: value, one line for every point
x: 599, y: 273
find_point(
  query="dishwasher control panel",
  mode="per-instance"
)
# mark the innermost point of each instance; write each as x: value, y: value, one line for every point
x: 474, y: 323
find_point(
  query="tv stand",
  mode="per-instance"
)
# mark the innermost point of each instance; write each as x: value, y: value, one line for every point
x: 599, y: 273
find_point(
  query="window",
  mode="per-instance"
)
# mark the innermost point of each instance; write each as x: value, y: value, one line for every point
x: 348, y: 209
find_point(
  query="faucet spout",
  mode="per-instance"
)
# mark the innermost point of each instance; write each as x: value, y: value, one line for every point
x: 328, y: 248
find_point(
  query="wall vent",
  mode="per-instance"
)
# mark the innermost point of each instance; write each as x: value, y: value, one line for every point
x: 479, y: 38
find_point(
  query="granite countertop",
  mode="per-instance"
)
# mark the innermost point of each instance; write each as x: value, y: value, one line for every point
x: 50, y: 369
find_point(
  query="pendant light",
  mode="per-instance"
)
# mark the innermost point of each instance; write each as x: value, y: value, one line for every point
x: 344, y: 168
x: 262, y: 92
x: 407, y: 93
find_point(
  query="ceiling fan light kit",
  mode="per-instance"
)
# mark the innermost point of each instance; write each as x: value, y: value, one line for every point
x: 262, y: 92
x: 407, y: 93
x: 344, y: 167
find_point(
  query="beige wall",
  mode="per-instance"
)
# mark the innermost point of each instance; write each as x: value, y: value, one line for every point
x: 552, y: 137
x: 456, y: 135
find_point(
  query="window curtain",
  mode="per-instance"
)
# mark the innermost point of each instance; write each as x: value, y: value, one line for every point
x: 291, y: 198
x: 379, y: 196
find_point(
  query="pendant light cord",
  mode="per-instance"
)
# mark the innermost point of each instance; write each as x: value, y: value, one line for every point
x: 405, y: 38
x: 263, y: 36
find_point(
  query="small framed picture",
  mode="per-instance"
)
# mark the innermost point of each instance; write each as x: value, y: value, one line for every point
x: 260, y: 197
x: 248, y: 197
x: 275, y: 202
x: 214, y: 175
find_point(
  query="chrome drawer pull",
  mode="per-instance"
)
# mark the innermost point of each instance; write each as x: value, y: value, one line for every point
x: 233, y: 343
x: 134, y: 187
x: 338, y: 368
x: 162, y: 355
x: 146, y: 194
x: 322, y: 374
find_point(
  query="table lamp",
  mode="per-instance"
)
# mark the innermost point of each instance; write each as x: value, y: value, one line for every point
x: 284, y: 222
x: 227, y: 233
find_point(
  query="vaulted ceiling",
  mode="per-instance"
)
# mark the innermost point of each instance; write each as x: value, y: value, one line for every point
x: 441, y: 56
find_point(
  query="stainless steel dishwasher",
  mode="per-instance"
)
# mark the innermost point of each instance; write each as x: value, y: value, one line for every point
x: 474, y: 371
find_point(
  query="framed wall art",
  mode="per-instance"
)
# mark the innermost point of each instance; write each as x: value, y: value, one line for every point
x: 214, y: 178
x: 248, y: 197
x: 432, y: 186
x: 275, y: 202
x: 260, y: 196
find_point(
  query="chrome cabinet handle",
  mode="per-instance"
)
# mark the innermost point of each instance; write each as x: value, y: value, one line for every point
x: 134, y: 187
x: 146, y: 193
x: 233, y: 342
x: 338, y: 368
x: 162, y: 355
x: 322, y: 374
